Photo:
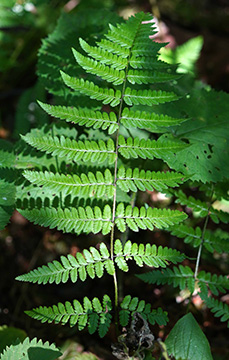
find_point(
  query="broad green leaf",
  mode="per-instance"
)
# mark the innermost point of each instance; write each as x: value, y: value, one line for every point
x: 186, y: 341
x: 207, y: 131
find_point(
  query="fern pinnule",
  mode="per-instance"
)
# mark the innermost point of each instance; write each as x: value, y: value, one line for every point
x: 181, y: 276
x: 215, y: 283
x: 142, y: 218
x: 147, y: 120
x: 135, y: 147
x: 76, y: 313
x: 73, y: 220
x: 86, y: 185
x: 91, y: 263
x: 86, y: 151
x: 131, y: 305
x: 85, y: 87
x: 148, y: 97
x: 104, y: 56
x: 219, y: 308
x: 212, y: 240
x: 150, y: 255
x: 107, y: 73
x: 83, y: 116
x: 201, y: 207
x: 135, y: 179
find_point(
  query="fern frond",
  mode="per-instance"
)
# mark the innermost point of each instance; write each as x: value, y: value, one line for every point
x: 107, y: 73
x: 146, y: 120
x: 148, y: 97
x: 218, y: 241
x: 195, y: 204
x: 182, y: 277
x: 142, y: 218
x: 135, y: 179
x: 92, y: 314
x: 71, y: 219
x: 149, y: 77
x: 194, y: 236
x: 104, y: 56
x: 219, y: 308
x: 29, y: 349
x: 87, y: 151
x: 147, y: 254
x: 215, y: 283
x: 91, y: 263
x: 89, y: 118
x: 135, y: 147
x: 189, y: 234
x: 143, y: 50
x: 93, y: 185
x: 114, y: 48
x: 148, y: 62
x: 85, y: 87
x: 201, y: 207
x: 131, y: 305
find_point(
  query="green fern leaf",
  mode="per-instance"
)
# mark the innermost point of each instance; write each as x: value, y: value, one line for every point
x: 75, y: 313
x: 143, y: 218
x: 215, y: 283
x: 91, y: 185
x: 85, y: 87
x: 182, y: 277
x: 94, y: 67
x: 149, y: 62
x: 134, y: 148
x: 148, y: 97
x: 91, y: 263
x: 212, y: 241
x: 218, y: 241
x: 189, y: 234
x: 71, y: 219
x: 133, y: 180
x: 104, y: 56
x: 114, y: 48
x: 130, y: 305
x: 219, y: 308
x: 87, y: 151
x: 149, y: 255
x: 147, y: 77
x: 201, y: 207
x: 147, y: 120
x: 83, y: 117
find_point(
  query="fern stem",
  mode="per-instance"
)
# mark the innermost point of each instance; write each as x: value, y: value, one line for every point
x: 200, y: 247
x: 113, y: 212
x: 202, y: 238
x: 115, y: 193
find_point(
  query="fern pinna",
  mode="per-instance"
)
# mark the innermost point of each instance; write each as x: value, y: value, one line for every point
x: 96, y: 177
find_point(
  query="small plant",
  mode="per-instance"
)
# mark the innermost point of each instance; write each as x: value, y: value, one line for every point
x: 90, y: 179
